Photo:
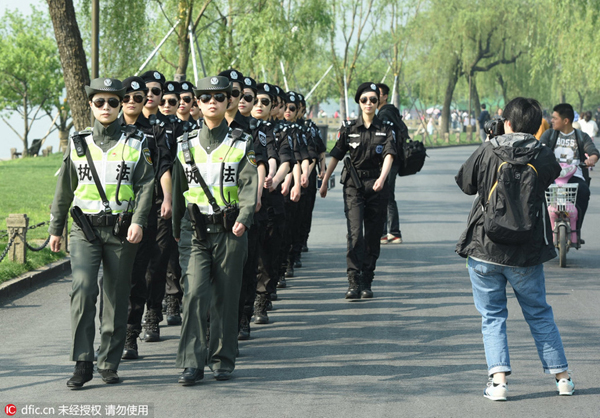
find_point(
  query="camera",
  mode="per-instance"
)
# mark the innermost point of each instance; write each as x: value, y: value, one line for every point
x: 494, y: 127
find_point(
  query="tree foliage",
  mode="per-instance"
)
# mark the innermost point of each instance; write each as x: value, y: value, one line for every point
x: 31, y: 71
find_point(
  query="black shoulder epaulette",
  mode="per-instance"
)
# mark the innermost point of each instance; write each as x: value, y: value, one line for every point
x: 192, y: 134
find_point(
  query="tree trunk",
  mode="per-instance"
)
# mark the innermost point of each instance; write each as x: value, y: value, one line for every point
x: 72, y: 58
x: 63, y: 136
x: 25, y: 123
x: 452, y: 80
x: 504, y: 87
x: 581, y: 102
x: 475, y: 98
x: 185, y: 15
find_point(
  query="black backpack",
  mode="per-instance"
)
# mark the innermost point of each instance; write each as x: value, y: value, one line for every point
x: 513, y: 207
x: 413, y: 158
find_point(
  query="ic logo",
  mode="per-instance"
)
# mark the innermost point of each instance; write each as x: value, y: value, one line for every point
x: 10, y: 409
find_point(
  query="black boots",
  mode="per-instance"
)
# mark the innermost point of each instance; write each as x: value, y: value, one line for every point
x: 130, y: 351
x: 359, y: 285
x: 152, y: 331
x: 367, y: 279
x: 260, y: 309
x: 173, y: 312
x: 84, y: 372
x: 244, y: 332
x: 353, y: 286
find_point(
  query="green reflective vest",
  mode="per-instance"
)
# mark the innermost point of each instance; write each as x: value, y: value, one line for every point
x: 108, y: 166
x: 228, y: 156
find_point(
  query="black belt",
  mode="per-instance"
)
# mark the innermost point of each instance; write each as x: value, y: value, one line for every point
x: 368, y: 174
x: 101, y: 220
x: 213, y: 219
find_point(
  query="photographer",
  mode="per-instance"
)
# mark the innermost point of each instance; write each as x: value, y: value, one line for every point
x: 496, y: 257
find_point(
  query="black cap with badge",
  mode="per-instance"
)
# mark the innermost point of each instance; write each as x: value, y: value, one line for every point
x: 213, y: 84
x: 134, y: 84
x: 105, y: 85
x: 266, y: 88
x: 186, y: 87
x: 172, y: 87
x: 249, y: 83
x: 366, y: 87
x: 301, y: 100
x: 234, y: 76
x: 290, y: 97
x: 154, y: 77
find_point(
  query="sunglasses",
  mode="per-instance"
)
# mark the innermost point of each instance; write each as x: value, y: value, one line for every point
x: 112, y: 102
x: 195, y: 104
x: 138, y: 98
x: 219, y: 97
x: 265, y: 102
x: 186, y: 99
x: 291, y: 108
x: 172, y: 102
x: 247, y: 97
x: 156, y: 91
x: 235, y: 93
x: 372, y: 99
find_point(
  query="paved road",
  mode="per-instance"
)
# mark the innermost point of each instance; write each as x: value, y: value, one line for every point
x: 414, y: 350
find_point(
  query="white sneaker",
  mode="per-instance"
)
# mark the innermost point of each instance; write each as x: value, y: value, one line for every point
x: 496, y: 391
x: 565, y: 387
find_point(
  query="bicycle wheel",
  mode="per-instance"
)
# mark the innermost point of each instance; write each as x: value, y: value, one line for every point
x: 562, y: 246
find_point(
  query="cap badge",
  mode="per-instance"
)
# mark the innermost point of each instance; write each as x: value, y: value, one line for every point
x: 247, y: 81
x: 233, y: 75
x: 373, y: 87
x: 135, y: 85
x: 292, y: 98
x: 184, y: 86
x: 108, y: 82
x: 156, y: 75
x: 214, y: 81
x: 170, y: 87
x: 267, y: 88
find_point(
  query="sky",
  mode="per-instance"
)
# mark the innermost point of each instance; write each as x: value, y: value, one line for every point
x: 9, y: 139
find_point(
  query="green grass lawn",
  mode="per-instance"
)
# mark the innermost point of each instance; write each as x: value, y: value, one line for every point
x: 27, y: 186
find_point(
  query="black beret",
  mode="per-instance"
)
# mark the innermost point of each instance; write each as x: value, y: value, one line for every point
x: 212, y: 84
x: 301, y: 98
x: 291, y: 97
x: 280, y: 92
x: 172, y: 87
x: 186, y: 87
x: 153, y: 76
x: 249, y: 83
x: 134, y: 84
x: 366, y: 87
x: 232, y: 75
x: 266, y: 88
x: 105, y: 85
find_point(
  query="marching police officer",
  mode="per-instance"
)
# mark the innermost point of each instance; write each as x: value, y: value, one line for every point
x: 214, y: 197
x: 107, y: 176
x: 372, y: 149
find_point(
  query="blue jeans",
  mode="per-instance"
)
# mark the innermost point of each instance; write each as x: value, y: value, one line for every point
x: 489, y: 293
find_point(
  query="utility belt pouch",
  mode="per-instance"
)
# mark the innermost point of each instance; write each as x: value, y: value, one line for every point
x: 82, y: 222
x: 198, y: 221
x: 230, y: 215
x: 353, y: 174
x: 122, y: 224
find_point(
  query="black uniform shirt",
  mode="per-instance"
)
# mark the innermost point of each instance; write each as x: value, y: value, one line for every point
x: 264, y: 136
x: 367, y: 147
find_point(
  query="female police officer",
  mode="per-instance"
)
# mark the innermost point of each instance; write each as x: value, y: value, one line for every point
x: 106, y: 173
x: 372, y: 148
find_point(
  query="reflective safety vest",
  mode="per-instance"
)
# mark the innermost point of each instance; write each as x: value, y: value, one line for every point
x: 229, y: 154
x: 108, y: 166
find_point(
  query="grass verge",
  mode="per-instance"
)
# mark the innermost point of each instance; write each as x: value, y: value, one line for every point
x: 10, y: 270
